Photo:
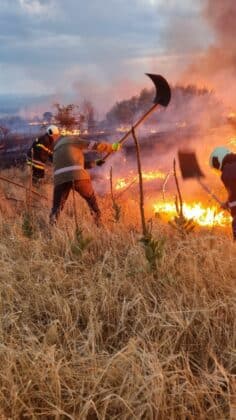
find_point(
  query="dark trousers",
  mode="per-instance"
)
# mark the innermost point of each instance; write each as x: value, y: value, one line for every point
x: 83, y: 187
x: 37, y: 175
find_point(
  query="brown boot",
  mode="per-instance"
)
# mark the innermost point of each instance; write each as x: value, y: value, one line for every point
x: 97, y: 219
x: 52, y: 219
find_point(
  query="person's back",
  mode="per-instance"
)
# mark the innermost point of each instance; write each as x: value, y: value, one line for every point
x: 228, y: 175
x: 70, y: 172
x: 224, y: 161
x: 68, y: 160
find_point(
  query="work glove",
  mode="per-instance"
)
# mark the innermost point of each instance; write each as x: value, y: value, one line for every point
x: 225, y: 205
x: 99, y: 162
x: 116, y: 147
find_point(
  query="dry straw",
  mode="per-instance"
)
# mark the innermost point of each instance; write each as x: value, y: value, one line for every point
x: 99, y: 336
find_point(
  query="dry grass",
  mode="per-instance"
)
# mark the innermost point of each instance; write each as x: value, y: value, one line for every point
x: 96, y: 335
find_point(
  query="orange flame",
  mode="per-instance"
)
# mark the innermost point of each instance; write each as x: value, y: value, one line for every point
x: 121, y: 183
x: 197, y: 212
x: 74, y: 132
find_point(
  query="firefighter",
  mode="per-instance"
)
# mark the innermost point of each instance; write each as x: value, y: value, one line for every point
x: 224, y: 161
x: 41, y: 151
x: 70, y: 172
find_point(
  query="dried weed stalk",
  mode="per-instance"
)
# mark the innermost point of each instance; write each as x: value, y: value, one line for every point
x: 180, y: 223
x: 116, y: 207
x: 153, y: 247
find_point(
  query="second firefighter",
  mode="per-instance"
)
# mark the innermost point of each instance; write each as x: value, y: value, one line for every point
x: 41, y: 151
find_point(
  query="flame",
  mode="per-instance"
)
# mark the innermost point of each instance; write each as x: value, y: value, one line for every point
x: 200, y: 214
x: 122, y: 129
x: 74, y: 132
x: 121, y: 183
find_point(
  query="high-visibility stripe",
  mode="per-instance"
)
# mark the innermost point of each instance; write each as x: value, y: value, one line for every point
x: 232, y: 204
x: 41, y: 146
x: 36, y: 164
x: 67, y: 169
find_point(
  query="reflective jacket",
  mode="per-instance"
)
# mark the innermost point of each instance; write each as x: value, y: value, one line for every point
x: 40, y: 151
x: 68, y: 158
x: 228, y: 177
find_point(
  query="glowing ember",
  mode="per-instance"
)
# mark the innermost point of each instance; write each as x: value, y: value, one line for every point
x: 132, y: 179
x: 74, y: 132
x: 123, y: 129
x: 201, y: 215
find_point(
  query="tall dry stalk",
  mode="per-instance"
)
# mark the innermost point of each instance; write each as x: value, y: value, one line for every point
x: 154, y: 248
x: 167, y: 177
x: 141, y: 193
x: 116, y: 207
x: 183, y: 225
x: 179, y: 199
x: 75, y: 208
x: 17, y: 184
x: 29, y: 198
x: 27, y: 224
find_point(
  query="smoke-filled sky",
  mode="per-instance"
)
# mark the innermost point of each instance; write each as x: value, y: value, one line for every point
x: 101, y: 49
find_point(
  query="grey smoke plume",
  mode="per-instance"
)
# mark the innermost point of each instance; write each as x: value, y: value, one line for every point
x: 222, y: 17
x: 218, y: 65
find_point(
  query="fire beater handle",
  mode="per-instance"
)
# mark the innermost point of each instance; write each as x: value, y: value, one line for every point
x: 122, y: 140
x: 205, y: 188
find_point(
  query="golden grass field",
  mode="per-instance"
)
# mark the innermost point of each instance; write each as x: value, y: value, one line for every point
x: 98, y: 335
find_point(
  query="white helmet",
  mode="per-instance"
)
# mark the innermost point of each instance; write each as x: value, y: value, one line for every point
x: 217, y: 156
x: 53, y: 130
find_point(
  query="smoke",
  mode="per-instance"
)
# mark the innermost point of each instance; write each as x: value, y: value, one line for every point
x: 104, y: 95
x: 217, y: 66
x: 221, y: 16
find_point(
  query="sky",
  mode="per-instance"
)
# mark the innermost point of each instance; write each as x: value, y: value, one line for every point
x: 97, y: 49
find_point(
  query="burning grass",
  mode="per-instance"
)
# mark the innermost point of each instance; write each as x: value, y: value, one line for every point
x: 200, y: 214
x: 95, y: 334
x: 127, y: 181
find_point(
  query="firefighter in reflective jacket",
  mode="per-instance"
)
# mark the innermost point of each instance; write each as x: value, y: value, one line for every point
x: 41, y: 151
x: 224, y: 161
x: 70, y: 172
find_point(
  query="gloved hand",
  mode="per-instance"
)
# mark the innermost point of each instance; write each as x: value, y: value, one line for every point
x: 99, y: 162
x: 116, y: 147
x: 225, y: 205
